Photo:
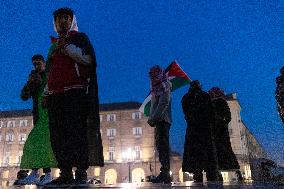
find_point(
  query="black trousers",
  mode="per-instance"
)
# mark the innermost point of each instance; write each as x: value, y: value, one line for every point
x: 163, y: 146
x: 68, y: 129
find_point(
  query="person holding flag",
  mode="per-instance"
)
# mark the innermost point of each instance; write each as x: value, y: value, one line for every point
x: 157, y: 106
x: 160, y: 118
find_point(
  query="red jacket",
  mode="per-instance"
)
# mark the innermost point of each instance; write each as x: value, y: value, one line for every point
x: 64, y: 72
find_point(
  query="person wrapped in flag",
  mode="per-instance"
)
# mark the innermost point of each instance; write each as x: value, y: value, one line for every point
x: 160, y: 118
x: 177, y: 78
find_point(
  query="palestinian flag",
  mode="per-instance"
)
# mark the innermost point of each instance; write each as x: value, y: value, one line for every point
x: 177, y: 77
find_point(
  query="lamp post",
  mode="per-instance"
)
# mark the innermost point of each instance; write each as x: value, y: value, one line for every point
x: 129, y: 157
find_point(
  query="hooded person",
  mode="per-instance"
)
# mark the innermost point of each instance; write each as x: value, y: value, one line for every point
x: 71, y: 97
x: 160, y: 118
x: 199, y: 149
x: 227, y: 160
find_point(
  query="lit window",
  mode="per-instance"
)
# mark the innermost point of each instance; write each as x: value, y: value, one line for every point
x: 111, y: 117
x: 111, y: 153
x: 136, y: 115
x: 7, y: 158
x: 101, y: 118
x: 111, y: 132
x: 97, y: 171
x: 9, y: 137
x: 23, y: 123
x: 137, y: 131
x: 11, y: 124
x: 137, y: 152
x: 1, y: 124
x: 5, y: 174
x: 22, y: 138
x: 19, y: 157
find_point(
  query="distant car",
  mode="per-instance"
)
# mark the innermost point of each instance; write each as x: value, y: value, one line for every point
x: 95, y: 181
x: 150, y: 178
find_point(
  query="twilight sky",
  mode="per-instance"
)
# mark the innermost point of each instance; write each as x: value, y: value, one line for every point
x: 236, y: 45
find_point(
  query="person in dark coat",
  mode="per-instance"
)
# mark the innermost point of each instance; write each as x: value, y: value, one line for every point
x: 199, y: 149
x: 222, y: 116
x: 160, y: 118
x: 72, y: 101
x: 279, y: 94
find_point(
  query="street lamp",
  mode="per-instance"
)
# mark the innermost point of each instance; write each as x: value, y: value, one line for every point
x: 129, y: 157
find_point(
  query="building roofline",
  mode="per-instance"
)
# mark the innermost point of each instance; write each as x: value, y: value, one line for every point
x: 131, y: 105
x: 254, y: 138
x: 233, y: 97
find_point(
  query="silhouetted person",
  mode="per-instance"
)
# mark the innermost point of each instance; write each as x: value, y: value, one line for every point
x: 160, y: 118
x: 227, y: 160
x: 199, y: 148
x: 37, y: 152
x: 32, y: 88
x: 279, y: 94
x: 72, y: 100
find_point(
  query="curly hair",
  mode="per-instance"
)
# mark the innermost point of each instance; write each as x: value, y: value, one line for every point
x: 63, y: 10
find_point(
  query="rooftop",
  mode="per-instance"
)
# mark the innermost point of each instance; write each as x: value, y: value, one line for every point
x: 103, y: 107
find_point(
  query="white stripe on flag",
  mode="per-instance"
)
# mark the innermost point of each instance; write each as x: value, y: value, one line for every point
x: 146, y: 101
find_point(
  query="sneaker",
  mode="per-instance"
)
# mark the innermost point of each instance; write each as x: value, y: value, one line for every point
x: 33, y: 178
x: 46, y: 179
x: 162, y: 178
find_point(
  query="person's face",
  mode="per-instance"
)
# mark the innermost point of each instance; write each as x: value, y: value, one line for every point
x: 39, y: 65
x: 63, y: 23
x: 154, y: 74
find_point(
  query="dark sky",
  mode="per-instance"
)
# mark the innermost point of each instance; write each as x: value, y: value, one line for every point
x: 236, y: 45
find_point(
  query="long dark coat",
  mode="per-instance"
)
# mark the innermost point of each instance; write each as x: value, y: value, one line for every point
x: 96, y: 157
x: 199, y: 150
x: 95, y: 148
x: 225, y: 155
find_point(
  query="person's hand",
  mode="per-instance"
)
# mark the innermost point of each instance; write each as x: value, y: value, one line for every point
x: 61, y: 42
x: 31, y: 79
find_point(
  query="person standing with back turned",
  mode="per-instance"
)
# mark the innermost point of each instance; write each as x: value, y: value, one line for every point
x: 160, y: 118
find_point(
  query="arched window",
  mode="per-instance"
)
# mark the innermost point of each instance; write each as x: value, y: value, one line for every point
x: 138, y: 175
x: 110, y: 176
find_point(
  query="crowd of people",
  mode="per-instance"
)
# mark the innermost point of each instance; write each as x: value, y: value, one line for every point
x: 64, y: 91
x: 207, y: 142
x: 65, y: 105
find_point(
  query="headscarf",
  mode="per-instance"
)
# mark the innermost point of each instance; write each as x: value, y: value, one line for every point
x: 216, y: 92
x: 159, y: 81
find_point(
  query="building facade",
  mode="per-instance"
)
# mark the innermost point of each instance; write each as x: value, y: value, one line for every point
x: 244, y: 144
x: 128, y: 143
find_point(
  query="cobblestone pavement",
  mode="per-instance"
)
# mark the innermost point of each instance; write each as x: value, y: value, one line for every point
x: 187, y: 185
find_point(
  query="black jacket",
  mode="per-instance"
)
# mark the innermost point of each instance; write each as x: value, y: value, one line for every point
x: 222, y: 117
x: 31, y: 90
x: 199, y: 149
